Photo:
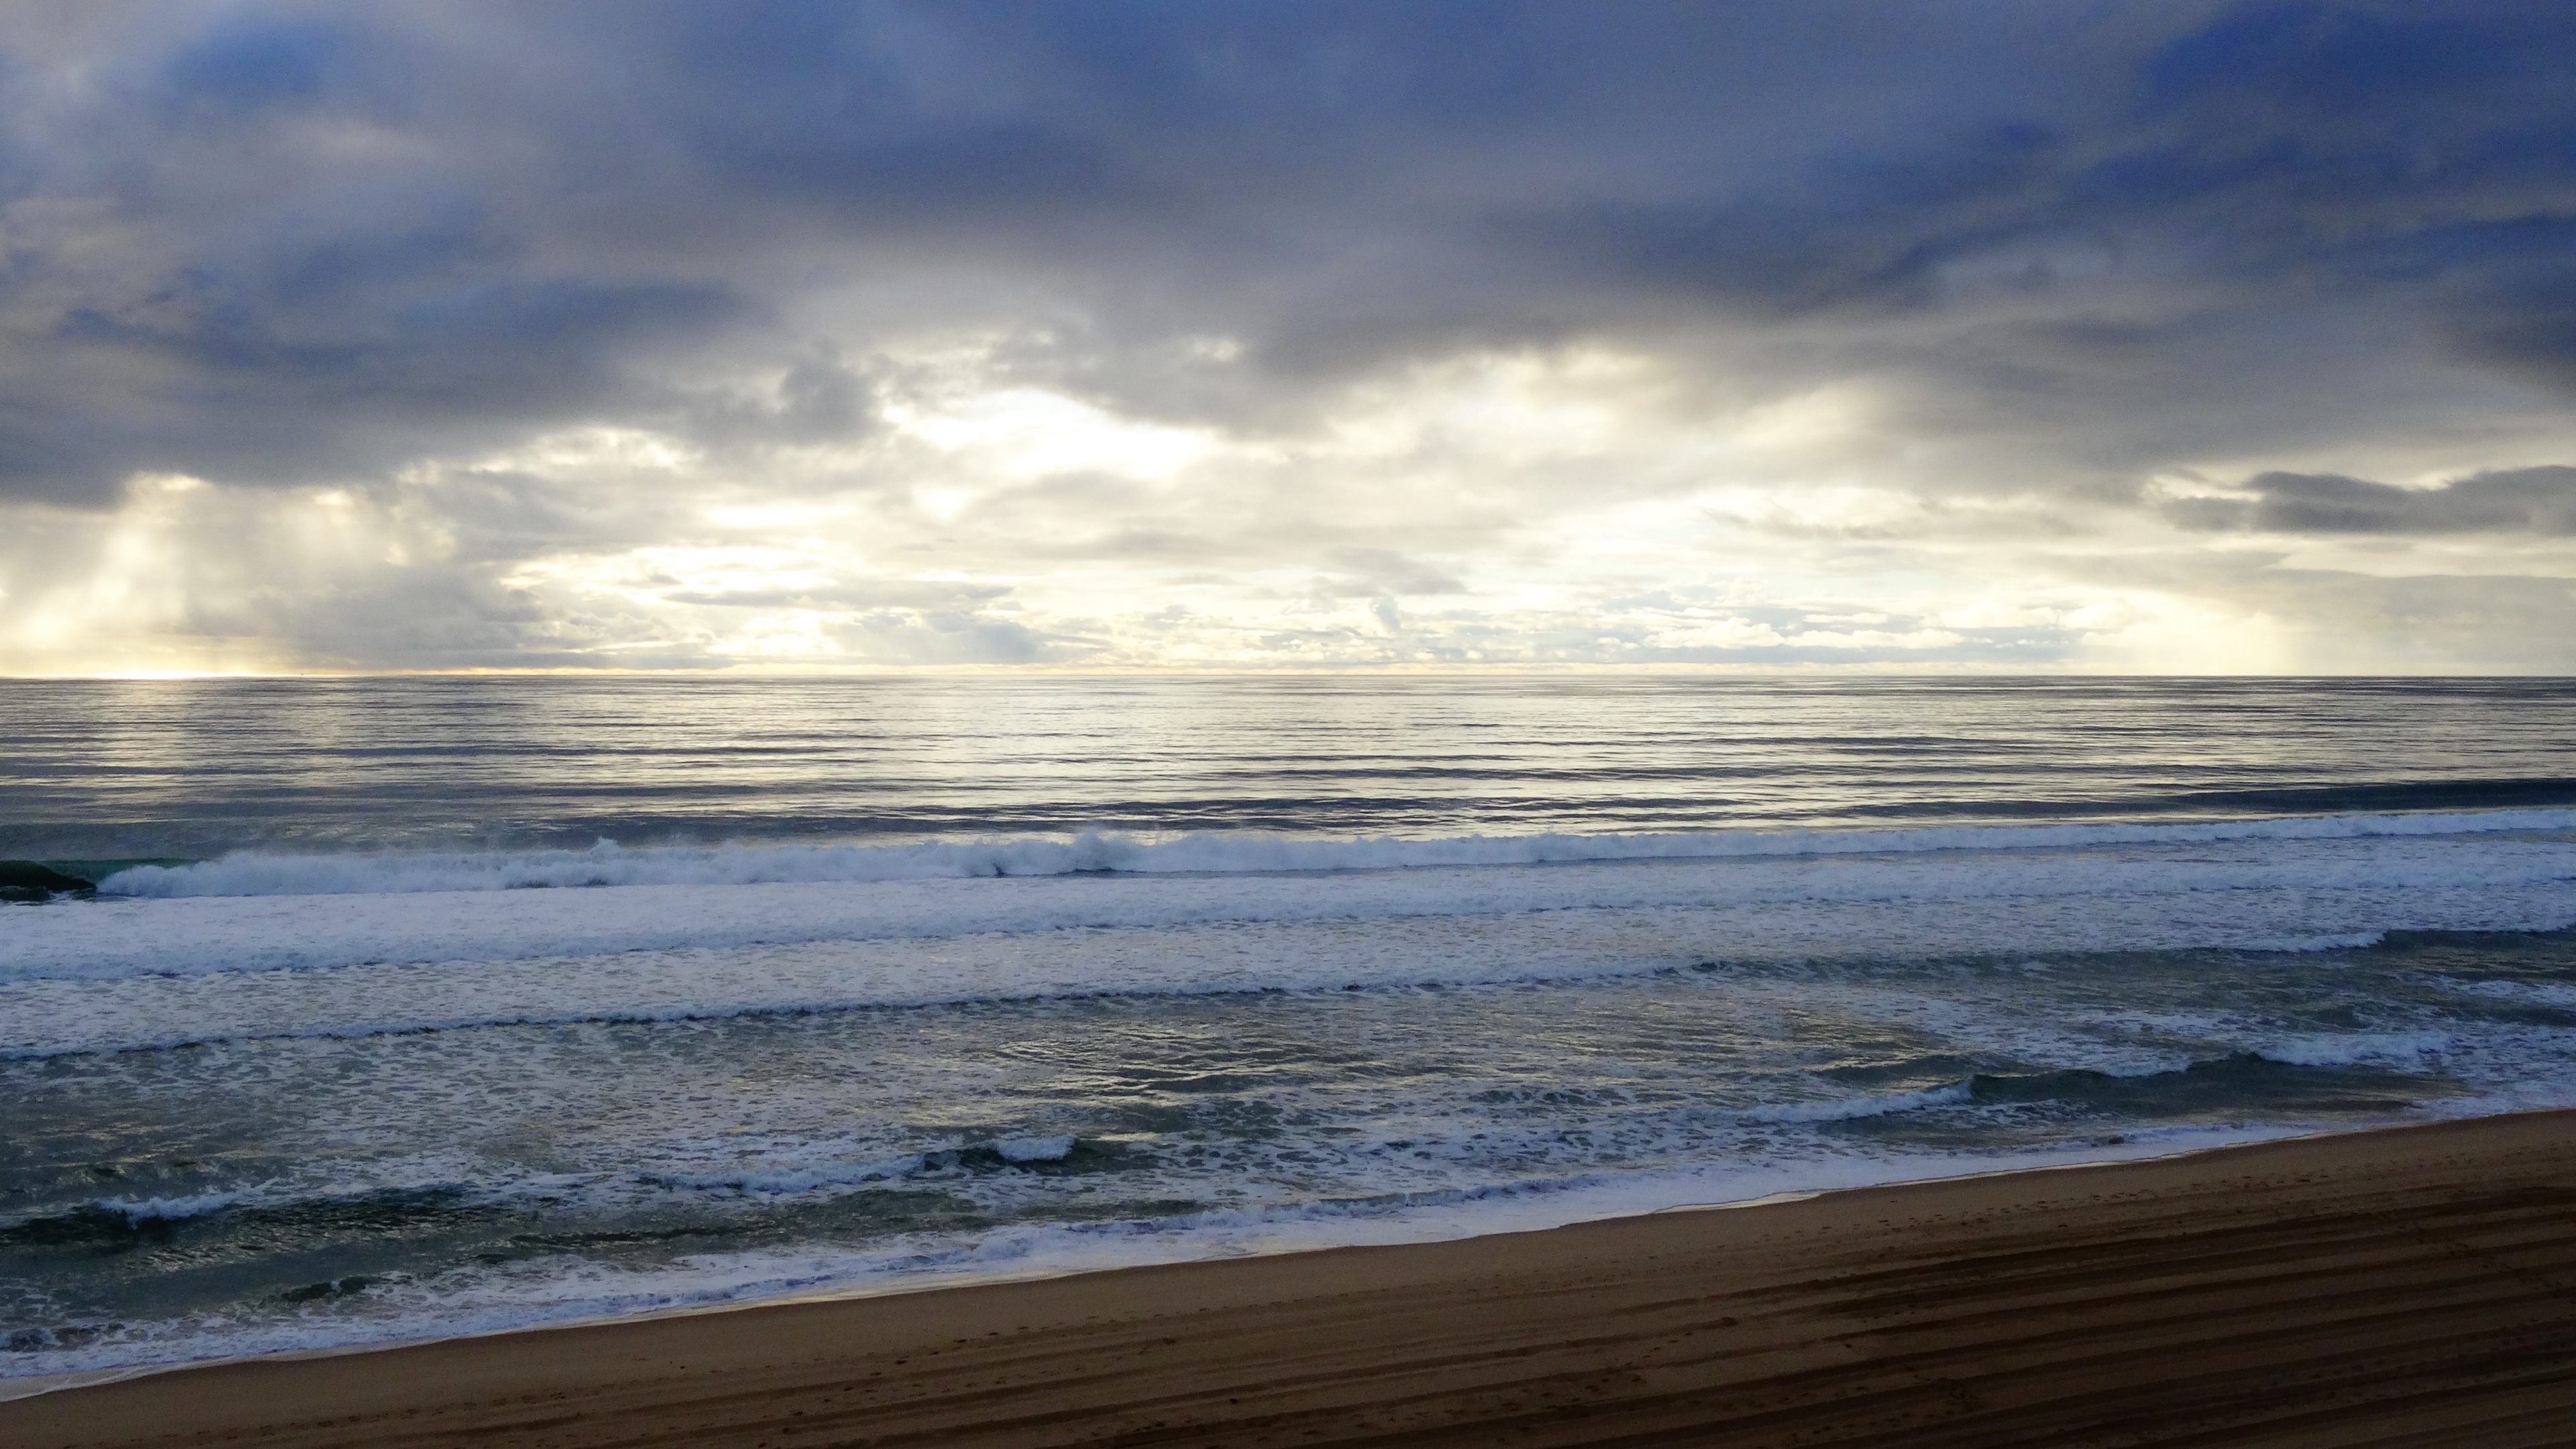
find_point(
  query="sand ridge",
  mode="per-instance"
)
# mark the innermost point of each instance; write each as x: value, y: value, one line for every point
x: 2408, y: 1287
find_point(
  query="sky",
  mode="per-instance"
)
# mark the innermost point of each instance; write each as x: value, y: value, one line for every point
x: 2055, y: 336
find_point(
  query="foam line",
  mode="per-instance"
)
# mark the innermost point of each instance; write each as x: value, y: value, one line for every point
x: 159, y: 1009
x: 193, y: 936
x: 609, y: 864
x: 471, y: 1301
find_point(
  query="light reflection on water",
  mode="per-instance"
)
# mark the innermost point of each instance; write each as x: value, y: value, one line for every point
x: 319, y: 1166
x: 145, y: 769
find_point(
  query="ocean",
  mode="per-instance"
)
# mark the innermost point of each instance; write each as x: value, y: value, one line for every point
x: 415, y: 1007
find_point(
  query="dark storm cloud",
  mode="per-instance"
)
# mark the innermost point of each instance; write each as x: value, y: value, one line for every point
x: 2348, y: 144
x: 275, y: 243
x: 2524, y: 500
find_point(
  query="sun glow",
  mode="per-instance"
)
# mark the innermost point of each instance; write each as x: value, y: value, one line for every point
x: 1021, y: 433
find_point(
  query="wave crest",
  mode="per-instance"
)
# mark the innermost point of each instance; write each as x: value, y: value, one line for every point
x: 610, y: 864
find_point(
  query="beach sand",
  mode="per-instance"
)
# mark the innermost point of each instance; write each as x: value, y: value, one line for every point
x: 2414, y: 1286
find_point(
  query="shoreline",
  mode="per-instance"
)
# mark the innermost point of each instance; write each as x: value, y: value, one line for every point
x: 2477, y: 1214
x: 2041, y: 1161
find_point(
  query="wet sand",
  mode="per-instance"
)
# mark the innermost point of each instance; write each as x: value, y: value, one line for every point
x: 2407, y: 1287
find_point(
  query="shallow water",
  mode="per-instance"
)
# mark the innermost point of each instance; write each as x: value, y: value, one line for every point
x: 853, y: 1001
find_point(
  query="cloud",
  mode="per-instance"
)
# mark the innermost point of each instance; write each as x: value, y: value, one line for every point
x: 876, y: 594
x: 987, y: 332
x: 2523, y: 500
x: 1374, y: 572
x: 2261, y: 612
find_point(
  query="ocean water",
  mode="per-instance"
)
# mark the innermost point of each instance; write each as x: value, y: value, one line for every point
x: 416, y: 1007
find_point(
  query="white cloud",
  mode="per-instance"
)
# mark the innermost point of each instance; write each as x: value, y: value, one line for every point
x: 1525, y: 507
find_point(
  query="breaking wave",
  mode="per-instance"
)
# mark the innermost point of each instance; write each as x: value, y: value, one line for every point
x: 610, y: 864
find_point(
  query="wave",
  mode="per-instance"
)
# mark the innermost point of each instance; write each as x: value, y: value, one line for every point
x: 219, y: 934
x: 168, y: 1011
x: 2333, y: 1080
x: 2555, y: 994
x: 783, y: 1182
x: 485, y: 1298
x: 2309, y: 945
x: 2319, y: 1075
x: 2260, y: 1087
x: 610, y: 864
x: 2337, y: 1075
x: 116, y: 1221
x: 110, y: 1222
x: 2354, y: 1049
x: 1849, y: 1109
x: 291, y: 970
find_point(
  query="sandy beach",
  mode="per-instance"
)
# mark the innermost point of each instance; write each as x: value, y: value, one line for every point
x: 2414, y: 1286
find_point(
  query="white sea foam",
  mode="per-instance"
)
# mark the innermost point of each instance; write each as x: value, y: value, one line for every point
x: 189, y: 936
x: 609, y: 864
x: 1546, y: 1028
x: 53, y: 1017
x: 789, y: 1181
x: 138, y: 1211
x: 528, y: 1293
x: 1035, y: 1149
x: 2547, y: 993
x: 162, y: 973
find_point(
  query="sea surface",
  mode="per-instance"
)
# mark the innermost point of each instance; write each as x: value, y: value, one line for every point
x: 414, y: 1007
